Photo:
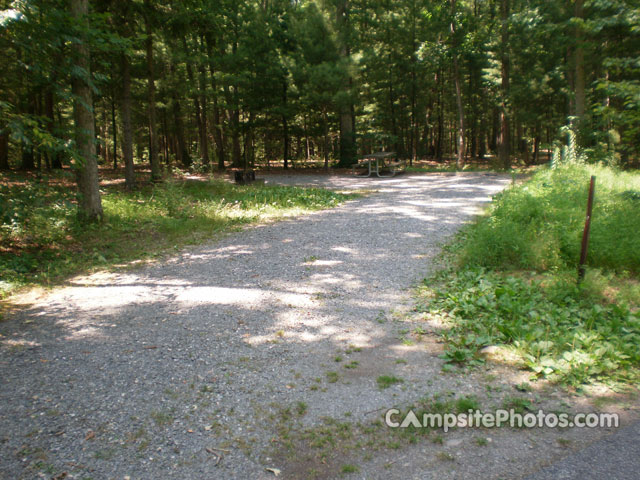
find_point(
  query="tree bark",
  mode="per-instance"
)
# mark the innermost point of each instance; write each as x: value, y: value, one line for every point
x: 580, y: 90
x: 196, y: 102
x: 456, y: 79
x: 89, y: 201
x: 461, y: 133
x: 183, y: 154
x: 440, y: 133
x: 325, y: 124
x: 154, y: 161
x: 204, y: 133
x: 114, y: 126
x: 217, y: 118
x: 127, y: 132
x: 285, y: 125
x: 4, y: 149
x: 347, y: 119
x: 236, y: 151
x: 505, y: 133
x: 54, y: 159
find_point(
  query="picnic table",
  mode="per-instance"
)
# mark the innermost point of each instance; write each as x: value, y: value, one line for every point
x: 382, y: 160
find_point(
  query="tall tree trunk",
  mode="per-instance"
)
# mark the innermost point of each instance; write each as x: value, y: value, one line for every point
x: 285, y: 125
x: 89, y: 201
x: 217, y: 118
x: 392, y: 110
x: 127, y: 132
x: 196, y: 102
x: 348, y: 149
x: 236, y: 151
x: 49, y: 102
x: 248, y: 152
x: 325, y: 124
x: 28, y: 158
x: 414, y: 119
x: 204, y: 134
x: 456, y: 79
x: 474, y: 112
x: 306, y: 137
x: 4, y: 149
x: 114, y: 126
x: 482, y: 138
x: 104, y: 136
x: 183, y: 156
x: 505, y: 133
x: 580, y: 90
x: 439, y: 142
x: 461, y: 132
x: 151, y: 94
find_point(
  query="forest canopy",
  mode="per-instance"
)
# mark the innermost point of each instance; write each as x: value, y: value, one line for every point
x: 207, y: 84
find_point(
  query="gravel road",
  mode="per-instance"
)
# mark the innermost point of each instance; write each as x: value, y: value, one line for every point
x: 190, y: 367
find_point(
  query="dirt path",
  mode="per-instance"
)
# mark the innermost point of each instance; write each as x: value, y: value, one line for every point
x: 260, y: 350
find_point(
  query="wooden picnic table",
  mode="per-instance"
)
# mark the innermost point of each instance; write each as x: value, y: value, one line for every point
x: 382, y: 160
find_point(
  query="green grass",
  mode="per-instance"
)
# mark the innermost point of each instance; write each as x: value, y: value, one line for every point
x: 385, y: 381
x: 513, y: 280
x: 42, y: 242
x: 332, y: 377
x: 348, y: 468
x: 538, y: 226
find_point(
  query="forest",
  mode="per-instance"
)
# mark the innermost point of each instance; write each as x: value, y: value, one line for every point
x: 159, y: 320
x: 205, y: 85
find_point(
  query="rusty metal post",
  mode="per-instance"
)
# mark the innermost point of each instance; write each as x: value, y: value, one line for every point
x: 585, y: 234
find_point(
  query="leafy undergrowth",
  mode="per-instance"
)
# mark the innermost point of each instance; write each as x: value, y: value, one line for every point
x: 514, y: 282
x: 42, y: 242
x: 557, y: 330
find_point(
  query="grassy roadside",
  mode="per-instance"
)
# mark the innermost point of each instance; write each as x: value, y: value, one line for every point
x: 510, y: 291
x: 42, y: 243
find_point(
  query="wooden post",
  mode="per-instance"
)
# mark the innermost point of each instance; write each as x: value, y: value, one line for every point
x: 585, y: 234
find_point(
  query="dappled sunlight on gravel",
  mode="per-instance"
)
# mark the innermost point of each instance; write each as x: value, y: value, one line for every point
x: 200, y: 350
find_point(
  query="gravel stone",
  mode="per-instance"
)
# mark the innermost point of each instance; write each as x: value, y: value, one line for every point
x: 142, y: 374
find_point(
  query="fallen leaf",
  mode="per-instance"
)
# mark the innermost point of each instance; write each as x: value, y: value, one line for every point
x: 90, y: 434
x: 275, y: 471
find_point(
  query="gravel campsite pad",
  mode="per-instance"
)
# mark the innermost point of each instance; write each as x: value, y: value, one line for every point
x: 260, y: 354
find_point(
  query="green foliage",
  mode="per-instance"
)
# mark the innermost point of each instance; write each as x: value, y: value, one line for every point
x: 497, y: 297
x: 539, y: 225
x: 42, y: 239
x: 557, y: 329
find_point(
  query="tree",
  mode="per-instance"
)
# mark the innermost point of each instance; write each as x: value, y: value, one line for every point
x: 505, y: 132
x: 89, y: 201
x: 457, y: 81
x: 347, y: 117
x: 154, y: 161
x: 261, y: 80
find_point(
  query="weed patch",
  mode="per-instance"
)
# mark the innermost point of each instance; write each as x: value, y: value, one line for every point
x: 557, y: 331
